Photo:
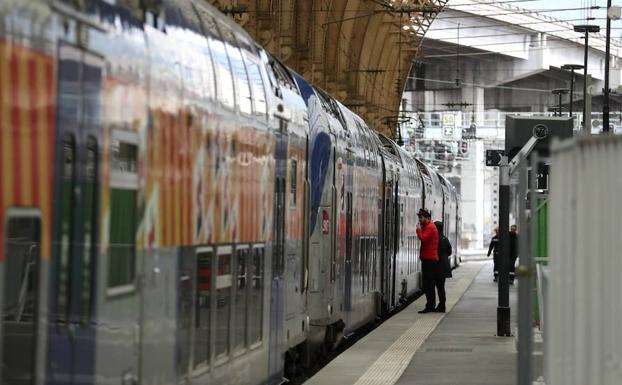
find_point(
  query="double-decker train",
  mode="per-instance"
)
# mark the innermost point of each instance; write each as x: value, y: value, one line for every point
x: 178, y: 207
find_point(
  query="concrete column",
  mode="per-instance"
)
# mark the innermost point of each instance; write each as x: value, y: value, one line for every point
x: 429, y: 100
x: 473, y: 196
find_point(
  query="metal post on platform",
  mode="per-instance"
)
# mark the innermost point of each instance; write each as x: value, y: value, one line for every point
x: 524, y: 273
x: 606, y: 90
x: 507, y: 168
x: 560, y: 92
x: 503, y: 308
x: 586, y: 29
x: 572, y: 68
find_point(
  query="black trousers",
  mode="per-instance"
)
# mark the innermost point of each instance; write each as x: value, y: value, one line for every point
x: 511, y: 265
x: 440, y: 288
x: 429, y: 270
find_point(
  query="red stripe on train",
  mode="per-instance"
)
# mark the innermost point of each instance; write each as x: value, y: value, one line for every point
x: 15, y: 130
x: 35, y: 110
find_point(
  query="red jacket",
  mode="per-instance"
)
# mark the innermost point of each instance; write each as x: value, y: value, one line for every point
x: 429, y: 242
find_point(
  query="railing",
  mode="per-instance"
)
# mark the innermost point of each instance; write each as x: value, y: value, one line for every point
x: 542, y: 284
x: 583, y: 338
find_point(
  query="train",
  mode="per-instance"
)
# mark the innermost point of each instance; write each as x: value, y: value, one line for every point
x: 179, y: 207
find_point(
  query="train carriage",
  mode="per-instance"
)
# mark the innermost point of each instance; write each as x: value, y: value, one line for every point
x: 179, y: 207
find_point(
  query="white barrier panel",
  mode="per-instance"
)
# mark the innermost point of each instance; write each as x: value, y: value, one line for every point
x: 583, y: 338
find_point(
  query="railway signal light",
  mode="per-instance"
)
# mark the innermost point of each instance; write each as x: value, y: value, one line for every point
x: 493, y: 157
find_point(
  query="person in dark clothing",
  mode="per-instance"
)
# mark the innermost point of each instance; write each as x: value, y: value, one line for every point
x: 513, y: 252
x: 427, y: 233
x: 444, y: 268
x: 494, y: 248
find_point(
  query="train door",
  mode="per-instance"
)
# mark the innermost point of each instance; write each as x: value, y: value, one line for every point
x: 388, y: 238
x: 395, y: 236
x: 20, y: 298
x: 333, y: 232
x: 277, y: 304
x: 349, y: 210
x: 71, y: 339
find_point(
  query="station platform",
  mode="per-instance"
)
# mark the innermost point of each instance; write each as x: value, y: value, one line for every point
x: 455, y: 348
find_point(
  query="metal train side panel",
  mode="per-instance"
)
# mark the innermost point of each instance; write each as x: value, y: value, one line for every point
x: 359, y: 241
x: 124, y: 124
x: 389, y: 229
x: 433, y: 197
x: 323, y: 130
x: 296, y: 216
x: 410, y: 202
x: 27, y: 132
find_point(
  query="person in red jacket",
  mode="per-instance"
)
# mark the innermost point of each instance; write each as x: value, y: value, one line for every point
x: 428, y: 234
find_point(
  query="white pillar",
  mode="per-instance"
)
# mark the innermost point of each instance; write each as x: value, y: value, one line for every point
x: 472, y: 191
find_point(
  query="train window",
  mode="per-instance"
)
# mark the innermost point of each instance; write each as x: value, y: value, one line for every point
x: 408, y: 255
x: 282, y: 74
x: 241, y: 79
x: 293, y: 182
x: 255, y: 296
x: 65, y: 249
x: 241, y: 297
x: 123, y: 213
x: 402, y: 224
x: 223, y: 302
x: 375, y: 262
x: 323, y: 101
x: 202, y: 307
x: 91, y: 91
x: 372, y: 262
x: 206, y: 69
x: 204, y: 62
x: 413, y: 258
x: 225, y: 90
x: 90, y: 229
x: 363, y: 262
x: 367, y: 264
x: 411, y: 254
x: 19, y: 306
x: 415, y: 253
x: 423, y: 169
x: 257, y: 86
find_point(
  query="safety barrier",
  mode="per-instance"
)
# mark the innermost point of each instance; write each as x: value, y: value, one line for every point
x: 583, y: 337
x: 542, y: 283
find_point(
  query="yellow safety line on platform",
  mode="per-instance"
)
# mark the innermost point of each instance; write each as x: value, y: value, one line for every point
x: 390, y: 366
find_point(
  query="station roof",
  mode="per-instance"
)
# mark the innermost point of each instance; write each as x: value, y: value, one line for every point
x: 360, y: 51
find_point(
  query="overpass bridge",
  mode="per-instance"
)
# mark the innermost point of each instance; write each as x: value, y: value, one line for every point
x: 482, y: 57
x: 477, y: 64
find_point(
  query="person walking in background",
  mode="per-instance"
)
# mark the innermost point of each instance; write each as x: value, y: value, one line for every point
x: 444, y: 266
x: 428, y: 235
x: 494, y: 248
x: 513, y: 252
